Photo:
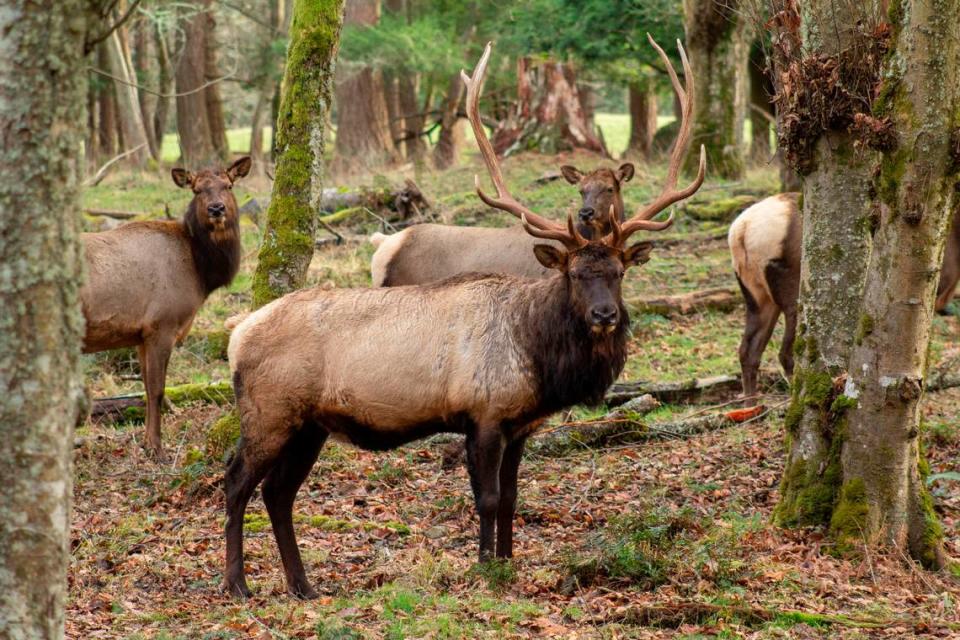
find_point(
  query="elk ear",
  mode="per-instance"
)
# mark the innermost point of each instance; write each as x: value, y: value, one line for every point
x: 550, y: 256
x: 239, y: 168
x: 571, y: 173
x: 637, y: 254
x: 182, y: 178
x: 625, y: 172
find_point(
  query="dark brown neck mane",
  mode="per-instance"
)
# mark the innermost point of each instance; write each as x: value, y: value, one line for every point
x: 216, y: 261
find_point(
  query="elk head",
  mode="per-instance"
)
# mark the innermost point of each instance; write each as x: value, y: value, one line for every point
x: 593, y: 268
x: 599, y: 190
x: 214, y: 206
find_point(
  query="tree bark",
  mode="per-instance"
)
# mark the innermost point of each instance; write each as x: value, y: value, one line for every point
x: 446, y: 153
x: 643, y: 118
x: 761, y: 111
x: 107, y: 107
x: 214, y: 103
x: 883, y: 497
x: 145, y: 58
x: 363, y: 122
x: 717, y: 44
x: 413, y: 121
x: 307, y: 91
x: 193, y: 126
x: 42, y: 109
x: 549, y: 115
x: 128, y: 104
x: 165, y: 83
x: 268, y: 85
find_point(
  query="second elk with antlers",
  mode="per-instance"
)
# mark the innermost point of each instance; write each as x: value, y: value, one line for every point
x: 487, y: 356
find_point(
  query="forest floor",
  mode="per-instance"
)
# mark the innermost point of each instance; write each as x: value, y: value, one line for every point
x: 669, y: 538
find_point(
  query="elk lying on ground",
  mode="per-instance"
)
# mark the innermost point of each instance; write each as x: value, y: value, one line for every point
x: 765, y: 246
x: 483, y: 355
x: 146, y: 280
x: 430, y: 252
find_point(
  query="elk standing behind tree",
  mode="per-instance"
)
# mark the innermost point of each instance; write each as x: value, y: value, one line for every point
x: 429, y: 252
x: 765, y: 246
x: 490, y: 355
x: 146, y: 280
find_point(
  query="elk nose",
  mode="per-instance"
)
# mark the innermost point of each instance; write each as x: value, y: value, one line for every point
x: 586, y: 214
x: 216, y: 209
x: 605, y: 315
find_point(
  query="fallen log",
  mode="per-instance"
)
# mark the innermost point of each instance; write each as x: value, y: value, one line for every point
x: 115, y: 214
x: 406, y: 201
x: 132, y: 407
x: 594, y: 432
x: 718, y: 299
x: 720, y: 210
x: 722, y: 387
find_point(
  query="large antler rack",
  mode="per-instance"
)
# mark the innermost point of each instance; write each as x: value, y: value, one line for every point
x: 670, y: 194
x: 504, y: 200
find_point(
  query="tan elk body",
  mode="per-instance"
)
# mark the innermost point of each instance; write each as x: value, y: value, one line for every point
x: 488, y: 356
x: 430, y: 252
x: 147, y: 280
x: 765, y: 246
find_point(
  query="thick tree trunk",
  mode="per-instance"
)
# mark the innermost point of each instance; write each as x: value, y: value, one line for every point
x: 413, y: 121
x: 549, y: 116
x: 145, y: 57
x: 214, y: 103
x: 643, y: 118
x: 446, y: 153
x: 883, y: 496
x: 718, y: 48
x: 193, y: 125
x: 391, y: 96
x: 307, y: 92
x: 761, y: 111
x: 42, y: 107
x: 363, y: 122
x: 128, y: 104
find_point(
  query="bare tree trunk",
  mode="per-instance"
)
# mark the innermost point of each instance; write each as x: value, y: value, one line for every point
x: 413, y: 121
x: 268, y: 85
x: 391, y: 95
x: 192, y: 123
x: 128, y: 105
x: 761, y: 111
x: 165, y: 83
x: 717, y: 43
x: 42, y: 100
x: 446, y: 153
x: 214, y: 103
x: 549, y: 115
x: 107, y: 107
x: 363, y: 122
x: 145, y: 57
x: 307, y: 91
x: 883, y: 496
x: 643, y: 118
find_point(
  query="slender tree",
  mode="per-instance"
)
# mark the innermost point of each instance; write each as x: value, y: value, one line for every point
x: 42, y: 91
x: 128, y: 104
x: 878, y: 189
x: 307, y: 91
x: 211, y: 93
x: 718, y: 47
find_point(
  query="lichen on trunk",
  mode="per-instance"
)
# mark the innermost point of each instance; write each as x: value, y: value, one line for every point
x: 306, y: 95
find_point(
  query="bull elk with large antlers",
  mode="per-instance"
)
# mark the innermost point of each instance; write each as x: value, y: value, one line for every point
x: 488, y: 356
x: 146, y: 280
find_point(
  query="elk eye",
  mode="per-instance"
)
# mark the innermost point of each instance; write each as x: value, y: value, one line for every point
x: 609, y: 189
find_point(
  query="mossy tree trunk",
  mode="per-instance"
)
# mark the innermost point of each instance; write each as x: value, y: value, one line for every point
x: 875, y: 228
x: 306, y: 95
x: 883, y: 494
x: 42, y: 117
x: 718, y: 47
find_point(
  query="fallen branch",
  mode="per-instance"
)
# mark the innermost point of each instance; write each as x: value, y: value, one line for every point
x: 675, y: 614
x: 101, y: 173
x: 407, y: 200
x: 132, y: 407
x: 594, y: 432
x: 719, y: 299
x: 113, y: 213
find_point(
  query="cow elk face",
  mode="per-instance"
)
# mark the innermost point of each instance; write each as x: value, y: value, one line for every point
x: 213, y: 199
x: 599, y: 189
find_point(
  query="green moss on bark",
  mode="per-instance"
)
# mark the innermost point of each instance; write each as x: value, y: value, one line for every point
x: 306, y: 95
x: 223, y: 436
x: 849, y: 518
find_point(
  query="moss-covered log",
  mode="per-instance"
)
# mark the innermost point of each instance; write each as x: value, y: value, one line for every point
x: 718, y: 46
x: 131, y: 408
x: 306, y: 95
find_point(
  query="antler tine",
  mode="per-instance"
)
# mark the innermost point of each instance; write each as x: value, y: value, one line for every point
x: 504, y: 201
x: 569, y: 237
x: 669, y: 195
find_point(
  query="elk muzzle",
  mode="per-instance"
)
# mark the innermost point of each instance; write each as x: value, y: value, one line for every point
x: 216, y: 210
x: 603, y: 318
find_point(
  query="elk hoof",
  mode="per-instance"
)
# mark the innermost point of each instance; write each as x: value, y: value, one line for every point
x: 303, y: 592
x: 237, y: 589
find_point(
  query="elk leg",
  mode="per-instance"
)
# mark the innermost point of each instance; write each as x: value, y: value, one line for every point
x: 279, y: 490
x: 484, y: 455
x: 759, y: 327
x: 789, y: 334
x: 242, y: 477
x: 155, y: 355
x: 508, y: 497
